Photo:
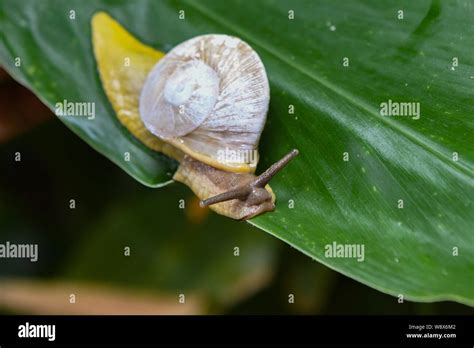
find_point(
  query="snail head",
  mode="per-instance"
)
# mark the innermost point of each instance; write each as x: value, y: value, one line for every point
x: 253, y: 193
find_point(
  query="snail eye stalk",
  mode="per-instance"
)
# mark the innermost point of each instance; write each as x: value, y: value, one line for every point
x: 242, y: 192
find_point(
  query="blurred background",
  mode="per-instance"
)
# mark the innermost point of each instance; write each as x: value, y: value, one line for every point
x: 109, y: 245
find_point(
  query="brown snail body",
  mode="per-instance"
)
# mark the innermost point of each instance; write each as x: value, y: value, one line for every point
x: 207, y: 96
x: 236, y: 195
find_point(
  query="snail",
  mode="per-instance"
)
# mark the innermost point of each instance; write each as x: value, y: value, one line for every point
x: 206, y: 98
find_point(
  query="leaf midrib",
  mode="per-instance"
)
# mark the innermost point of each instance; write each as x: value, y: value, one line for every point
x: 414, y: 137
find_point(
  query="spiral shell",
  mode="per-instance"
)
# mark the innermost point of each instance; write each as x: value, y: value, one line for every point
x: 208, y: 95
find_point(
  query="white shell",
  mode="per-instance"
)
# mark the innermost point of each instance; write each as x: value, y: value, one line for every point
x: 209, y: 93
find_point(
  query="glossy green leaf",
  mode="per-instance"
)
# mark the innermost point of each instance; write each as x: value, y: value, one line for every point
x: 404, y: 191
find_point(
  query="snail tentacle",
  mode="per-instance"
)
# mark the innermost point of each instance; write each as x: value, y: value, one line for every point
x: 252, y: 191
x: 240, y: 192
x: 267, y: 175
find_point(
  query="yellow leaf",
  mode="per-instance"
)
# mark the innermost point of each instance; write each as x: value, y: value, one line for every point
x: 123, y: 63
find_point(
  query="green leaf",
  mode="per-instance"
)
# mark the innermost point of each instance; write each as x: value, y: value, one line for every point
x: 408, y: 251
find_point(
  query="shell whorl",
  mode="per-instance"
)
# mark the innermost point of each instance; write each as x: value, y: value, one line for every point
x: 209, y: 93
x: 175, y: 102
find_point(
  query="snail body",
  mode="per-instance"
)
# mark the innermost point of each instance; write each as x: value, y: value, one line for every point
x: 207, y: 96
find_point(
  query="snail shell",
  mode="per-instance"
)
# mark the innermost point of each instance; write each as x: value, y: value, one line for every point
x: 207, y: 96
